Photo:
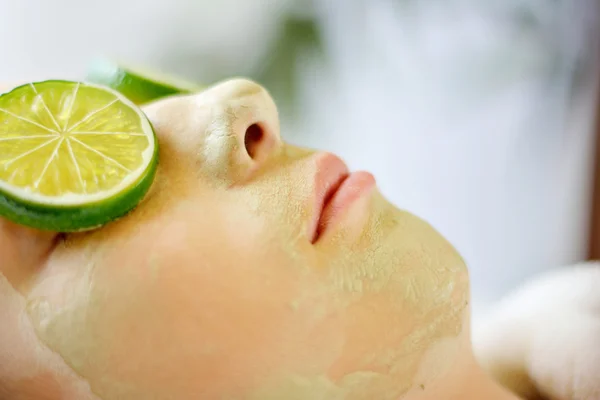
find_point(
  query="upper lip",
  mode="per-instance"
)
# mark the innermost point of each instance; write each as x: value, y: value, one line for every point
x: 331, y: 173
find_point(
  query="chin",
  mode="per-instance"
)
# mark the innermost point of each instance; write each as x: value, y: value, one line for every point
x: 406, y: 303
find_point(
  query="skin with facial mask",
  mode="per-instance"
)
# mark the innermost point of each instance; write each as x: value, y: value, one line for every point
x: 252, y: 270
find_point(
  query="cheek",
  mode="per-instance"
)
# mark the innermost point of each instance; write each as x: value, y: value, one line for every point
x: 191, y: 312
x: 222, y: 319
x: 28, y: 369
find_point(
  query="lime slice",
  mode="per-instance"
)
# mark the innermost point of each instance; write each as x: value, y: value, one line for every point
x: 73, y: 156
x: 139, y: 85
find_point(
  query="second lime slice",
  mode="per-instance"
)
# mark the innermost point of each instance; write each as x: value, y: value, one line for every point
x: 140, y: 85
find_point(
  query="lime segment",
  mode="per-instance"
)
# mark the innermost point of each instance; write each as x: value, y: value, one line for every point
x: 73, y: 156
x: 140, y: 85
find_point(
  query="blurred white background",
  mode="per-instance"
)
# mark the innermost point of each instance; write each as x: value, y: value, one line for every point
x: 476, y: 115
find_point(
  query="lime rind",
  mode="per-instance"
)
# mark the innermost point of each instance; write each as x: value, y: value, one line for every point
x: 72, y: 212
x: 76, y: 218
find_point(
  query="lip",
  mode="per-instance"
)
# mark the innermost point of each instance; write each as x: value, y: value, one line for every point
x: 336, y: 188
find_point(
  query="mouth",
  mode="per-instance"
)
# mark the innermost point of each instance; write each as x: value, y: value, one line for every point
x: 336, y: 188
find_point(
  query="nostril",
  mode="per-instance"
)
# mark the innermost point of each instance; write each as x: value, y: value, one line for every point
x: 252, y: 140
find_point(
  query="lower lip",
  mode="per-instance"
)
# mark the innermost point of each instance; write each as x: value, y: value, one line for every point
x: 355, y: 186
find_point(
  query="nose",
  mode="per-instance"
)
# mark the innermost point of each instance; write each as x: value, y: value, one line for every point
x: 251, y: 116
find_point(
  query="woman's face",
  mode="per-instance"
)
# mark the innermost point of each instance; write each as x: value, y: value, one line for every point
x: 247, y: 273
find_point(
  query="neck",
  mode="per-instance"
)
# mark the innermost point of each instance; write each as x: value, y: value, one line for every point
x: 467, y: 381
